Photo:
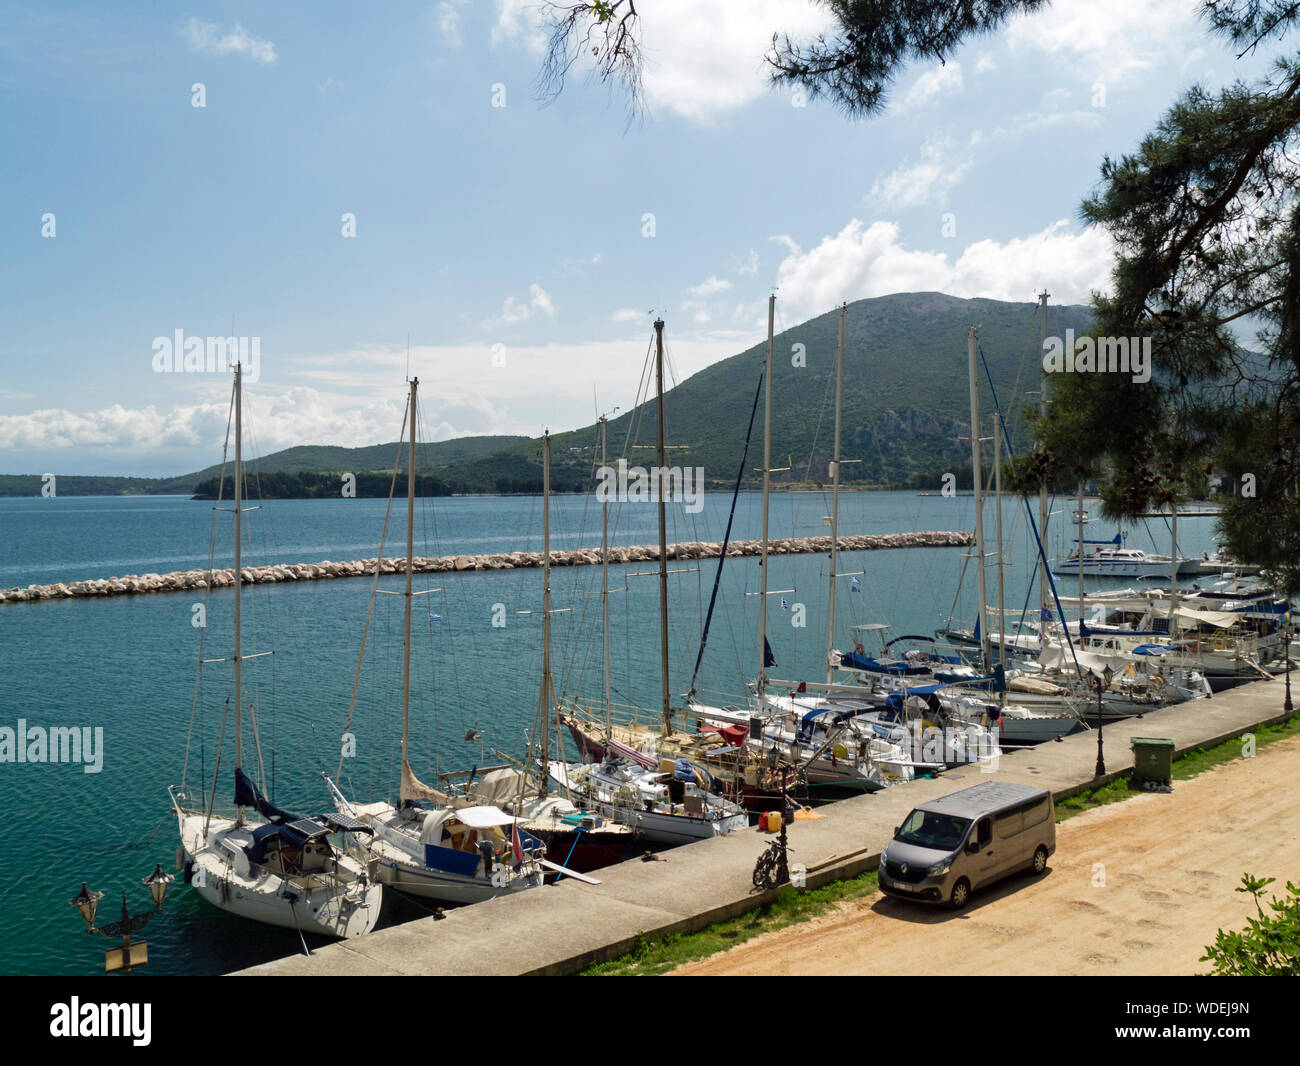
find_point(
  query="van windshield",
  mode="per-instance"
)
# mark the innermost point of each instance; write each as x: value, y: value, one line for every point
x: 925, y: 829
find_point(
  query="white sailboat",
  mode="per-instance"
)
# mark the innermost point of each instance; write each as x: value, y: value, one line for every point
x: 268, y: 865
x: 431, y: 844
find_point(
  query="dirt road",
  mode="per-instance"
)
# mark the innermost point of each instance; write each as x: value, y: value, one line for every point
x: 1138, y: 887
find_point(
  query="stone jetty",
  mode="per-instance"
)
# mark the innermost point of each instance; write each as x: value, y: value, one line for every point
x: 191, y: 580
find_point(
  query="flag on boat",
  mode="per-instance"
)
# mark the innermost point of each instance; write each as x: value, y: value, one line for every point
x: 854, y: 585
x: 1044, y: 615
x: 784, y: 606
x: 516, y: 843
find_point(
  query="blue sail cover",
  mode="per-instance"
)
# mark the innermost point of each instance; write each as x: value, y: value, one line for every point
x: 247, y: 795
x: 854, y: 661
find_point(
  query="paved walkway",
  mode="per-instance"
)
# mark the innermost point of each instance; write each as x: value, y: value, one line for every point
x: 564, y: 928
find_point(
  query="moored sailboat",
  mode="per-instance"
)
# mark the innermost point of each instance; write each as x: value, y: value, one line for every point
x: 269, y: 865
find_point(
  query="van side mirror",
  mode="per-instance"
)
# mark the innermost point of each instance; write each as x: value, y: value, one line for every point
x: 896, y: 828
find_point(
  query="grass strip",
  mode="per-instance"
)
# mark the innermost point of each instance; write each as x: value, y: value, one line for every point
x: 658, y: 955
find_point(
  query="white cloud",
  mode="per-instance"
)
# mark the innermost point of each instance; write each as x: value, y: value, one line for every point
x: 862, y: 261
x: 711, y: 286
x: 747, y: 265
x: 206, y: 37
x: 924, y: 182
x: 1038, y: 120
x: 447, y: 17
x: 786, y: 241
x: 1109, y: 39
x: 519, y: 22
x: 541, y: 300
x: 628, y: 314
x: 513, y: 311
x: 986, y: 64
x: 941, y: 81
x: 703, y: 60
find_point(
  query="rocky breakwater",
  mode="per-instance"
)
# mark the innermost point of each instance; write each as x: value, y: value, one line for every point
x: 195, y: 580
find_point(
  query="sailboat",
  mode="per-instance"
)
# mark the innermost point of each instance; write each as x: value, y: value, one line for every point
x: 671, y: 801
x: 432, y: 844
x: 268, y: 865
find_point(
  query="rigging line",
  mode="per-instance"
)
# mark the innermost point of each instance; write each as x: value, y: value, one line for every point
x: 207, y: 591
x: 254, y: 610
x: 726, y: 539
x: 379, y: 558
x: 580, y: 624
x: 1011, y: 452
x: 216, y: 770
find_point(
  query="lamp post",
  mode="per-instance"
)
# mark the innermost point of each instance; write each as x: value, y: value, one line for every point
x: 1103, y: 683
x: 1286, y: 635
x: 87, y: 902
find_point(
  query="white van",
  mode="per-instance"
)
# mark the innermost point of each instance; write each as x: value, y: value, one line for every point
x: 947, y: 848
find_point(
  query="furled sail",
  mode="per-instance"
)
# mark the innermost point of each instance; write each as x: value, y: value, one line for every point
x: 415, y: 789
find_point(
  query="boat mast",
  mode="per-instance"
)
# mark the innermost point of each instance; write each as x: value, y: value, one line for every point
x: 604, y: 563
x: 835, y: 497
x: 663, y: 526
x: 410, y: 572
x: 997, y: 488
x: 1044, y: 590
x: 544, y: 700
x: 1173, y: 571
x: 767, y: 475
x: 239, y: 574
x: 1079, y: 552
x: 978, y: 475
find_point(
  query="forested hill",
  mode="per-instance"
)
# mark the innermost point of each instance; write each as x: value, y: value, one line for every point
x: 906, y: 410
x: 906, y: 393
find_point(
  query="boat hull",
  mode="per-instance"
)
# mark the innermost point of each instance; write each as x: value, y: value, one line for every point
x: 311, y: 904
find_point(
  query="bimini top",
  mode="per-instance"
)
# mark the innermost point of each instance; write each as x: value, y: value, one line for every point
x: 979, y: 800
x: 479, y: 817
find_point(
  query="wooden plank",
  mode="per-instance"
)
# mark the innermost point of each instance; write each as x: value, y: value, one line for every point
x: 568, y: 873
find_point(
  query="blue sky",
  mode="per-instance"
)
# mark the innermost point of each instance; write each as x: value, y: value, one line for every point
x: 506, y: 242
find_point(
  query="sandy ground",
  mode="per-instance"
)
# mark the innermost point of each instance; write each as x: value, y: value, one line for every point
x: 1138, y: 887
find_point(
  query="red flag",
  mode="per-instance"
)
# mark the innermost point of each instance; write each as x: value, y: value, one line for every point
x: 516, y: 843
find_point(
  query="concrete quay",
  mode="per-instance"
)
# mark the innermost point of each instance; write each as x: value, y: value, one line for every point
x: 564, y: 928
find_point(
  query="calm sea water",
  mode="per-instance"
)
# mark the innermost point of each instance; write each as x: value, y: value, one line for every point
x: 127, y: 665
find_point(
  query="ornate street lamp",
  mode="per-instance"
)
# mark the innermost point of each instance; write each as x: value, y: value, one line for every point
x: 87, y: 904
x: 1103, y: 683
x: 1286, y: 635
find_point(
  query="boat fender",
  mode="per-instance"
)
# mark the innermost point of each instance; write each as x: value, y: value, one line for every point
x: 1157, y: 681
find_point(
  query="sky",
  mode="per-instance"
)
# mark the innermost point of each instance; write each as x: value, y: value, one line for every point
x: 363, y: 192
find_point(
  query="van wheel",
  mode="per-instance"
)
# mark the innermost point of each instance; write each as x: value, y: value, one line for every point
x: 1040, y: 859
x: 960, y: 894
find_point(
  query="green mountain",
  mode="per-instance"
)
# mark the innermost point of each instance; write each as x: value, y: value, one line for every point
x: 327, y: 459
x: 906, y: 401
x: 906, y: 409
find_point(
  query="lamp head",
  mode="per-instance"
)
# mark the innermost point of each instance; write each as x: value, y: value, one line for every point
x: 87, y: 902
x: 157, y: 883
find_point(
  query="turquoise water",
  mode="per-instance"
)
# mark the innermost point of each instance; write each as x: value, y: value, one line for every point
x: 128, y: 665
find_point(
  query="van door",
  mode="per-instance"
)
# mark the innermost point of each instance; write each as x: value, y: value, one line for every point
x: 984, y: 862
x: 1009, y: 830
